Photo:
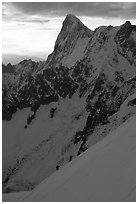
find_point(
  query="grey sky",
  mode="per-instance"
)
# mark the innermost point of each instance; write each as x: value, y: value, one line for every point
x: 92, y: 9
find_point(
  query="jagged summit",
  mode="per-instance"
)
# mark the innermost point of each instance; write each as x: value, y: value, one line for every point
x: 127, y: 23
x: 8, y: 69
x: 75, y: 38
x: 72, y: 32
x: 72, y: 18
x: 71, y: 21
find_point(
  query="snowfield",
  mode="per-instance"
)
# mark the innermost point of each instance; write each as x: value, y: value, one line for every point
x: 106, y: 172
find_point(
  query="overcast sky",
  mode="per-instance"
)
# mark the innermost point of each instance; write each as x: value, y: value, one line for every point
x: 31, y: 28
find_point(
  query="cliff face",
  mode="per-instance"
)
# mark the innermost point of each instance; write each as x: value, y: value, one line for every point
x: 57, y: 109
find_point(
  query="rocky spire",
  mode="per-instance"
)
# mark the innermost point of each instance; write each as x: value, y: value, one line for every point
x: 71, y: 21
x: 72, y: 29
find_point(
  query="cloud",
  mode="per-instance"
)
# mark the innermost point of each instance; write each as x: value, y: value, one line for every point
x: 92, y: 9
x: 36, y: 21
x: 10, y: 13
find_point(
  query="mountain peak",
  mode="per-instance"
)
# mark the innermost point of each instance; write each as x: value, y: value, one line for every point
x: 127, y: 23
x: 72, y: 30
x: 71, y: 20
x: 9, y: 64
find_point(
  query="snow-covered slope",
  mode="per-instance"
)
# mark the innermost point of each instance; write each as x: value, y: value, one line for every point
x: 32, y: 153
x: 106, y: 172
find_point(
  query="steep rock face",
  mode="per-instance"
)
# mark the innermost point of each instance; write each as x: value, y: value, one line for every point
x: 61, y: 107
x: 126, y: 38
x: 73, y: 36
